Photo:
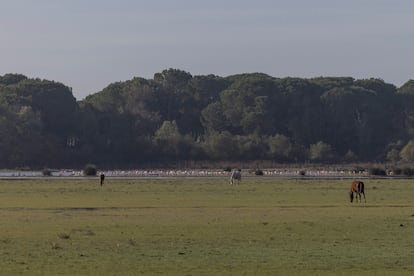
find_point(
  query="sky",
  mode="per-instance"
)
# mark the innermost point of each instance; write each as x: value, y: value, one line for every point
x: 88, y: 44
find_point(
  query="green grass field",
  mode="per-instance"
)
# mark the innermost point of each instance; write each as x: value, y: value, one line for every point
x: 203, y: 226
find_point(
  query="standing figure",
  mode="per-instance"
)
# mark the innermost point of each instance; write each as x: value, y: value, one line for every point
x: 102, y: 176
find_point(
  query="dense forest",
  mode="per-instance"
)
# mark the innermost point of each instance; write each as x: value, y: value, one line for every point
x: 177, y: 117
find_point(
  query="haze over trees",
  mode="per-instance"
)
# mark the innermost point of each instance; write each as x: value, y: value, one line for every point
x: 176, y: 117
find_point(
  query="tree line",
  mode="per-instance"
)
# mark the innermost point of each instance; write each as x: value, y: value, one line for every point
x: 176, y: 117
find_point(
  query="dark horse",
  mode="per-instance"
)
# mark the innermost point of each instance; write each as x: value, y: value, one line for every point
x: 357, y: 187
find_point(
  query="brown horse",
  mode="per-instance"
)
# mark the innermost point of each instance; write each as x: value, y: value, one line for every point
x: 357, y: 187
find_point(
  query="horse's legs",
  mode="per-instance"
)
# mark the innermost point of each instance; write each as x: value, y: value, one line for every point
x: 365, y: 200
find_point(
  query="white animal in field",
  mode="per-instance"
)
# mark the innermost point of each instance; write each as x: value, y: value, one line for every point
x: 235, y: 175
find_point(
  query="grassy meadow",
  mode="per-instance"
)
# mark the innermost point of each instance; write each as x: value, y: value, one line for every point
x: 203, y: 226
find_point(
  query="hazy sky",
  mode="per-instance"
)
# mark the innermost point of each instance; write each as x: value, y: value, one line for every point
x: 88, y: 44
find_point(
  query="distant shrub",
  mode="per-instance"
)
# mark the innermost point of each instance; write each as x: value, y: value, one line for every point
x: 377, y: 171
x: 89, y: 170
x: 408, y: 171
x: 397, y: 171
x: 258, y: 172
x: 47, y: 172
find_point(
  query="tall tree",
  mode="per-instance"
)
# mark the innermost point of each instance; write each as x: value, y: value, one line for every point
x: 302, y: 110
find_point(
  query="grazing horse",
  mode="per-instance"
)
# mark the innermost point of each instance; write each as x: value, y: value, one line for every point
x: 357, y: 187
x: 235, y: 175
